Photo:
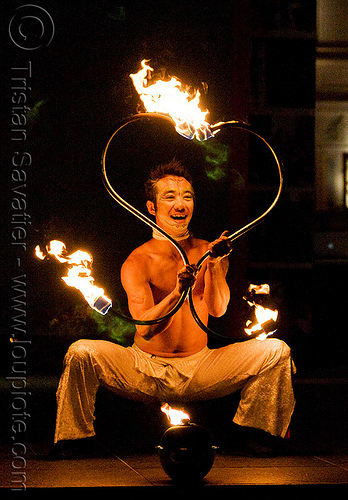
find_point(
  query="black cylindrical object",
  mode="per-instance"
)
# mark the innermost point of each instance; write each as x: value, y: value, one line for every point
x: 186, y: 452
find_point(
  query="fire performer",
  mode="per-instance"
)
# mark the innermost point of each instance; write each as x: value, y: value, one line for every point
x: 171, y: 361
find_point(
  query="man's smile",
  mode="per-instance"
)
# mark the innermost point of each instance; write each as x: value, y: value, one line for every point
x: 179, y: 217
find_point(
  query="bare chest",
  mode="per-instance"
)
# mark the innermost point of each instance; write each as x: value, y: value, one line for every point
x: 163, y: 273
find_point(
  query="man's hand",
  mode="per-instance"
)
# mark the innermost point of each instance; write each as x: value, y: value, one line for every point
x: 221, y: 247
x: 186, y: 277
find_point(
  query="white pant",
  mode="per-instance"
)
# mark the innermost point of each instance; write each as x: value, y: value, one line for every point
x: 262, y: 369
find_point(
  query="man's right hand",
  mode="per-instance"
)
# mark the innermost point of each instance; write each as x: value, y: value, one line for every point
x: 186, y: 277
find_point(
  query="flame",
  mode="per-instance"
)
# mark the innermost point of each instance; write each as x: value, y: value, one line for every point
x: 171, y: 98
x: 38, y: 253
x: 58, y: 250
x: 175, y: 417
x: 260, y: 289
x: 263, y: 315
x: 79, y: 274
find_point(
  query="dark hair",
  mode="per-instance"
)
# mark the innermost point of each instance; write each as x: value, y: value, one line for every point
x: 174, y: 167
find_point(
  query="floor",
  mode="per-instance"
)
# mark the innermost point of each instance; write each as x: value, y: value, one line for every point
x: 133, y: 473
x: 317, y: 459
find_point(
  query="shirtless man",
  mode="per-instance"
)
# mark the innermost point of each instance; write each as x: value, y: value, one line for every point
x: 170, y: 361
x: 154, y: 277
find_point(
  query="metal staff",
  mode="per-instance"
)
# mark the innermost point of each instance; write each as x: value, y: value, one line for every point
x: 217, y: 127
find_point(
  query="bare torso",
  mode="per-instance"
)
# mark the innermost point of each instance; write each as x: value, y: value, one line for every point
x: 159, y: 262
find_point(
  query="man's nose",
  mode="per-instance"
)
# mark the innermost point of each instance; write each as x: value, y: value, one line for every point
x: 179, y: 204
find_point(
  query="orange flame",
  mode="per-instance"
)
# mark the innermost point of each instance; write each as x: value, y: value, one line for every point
x: 38, y: 253
x: 79, y: 274
x: 175, y: 417
x: 262, y: 316
x: 171, y: 98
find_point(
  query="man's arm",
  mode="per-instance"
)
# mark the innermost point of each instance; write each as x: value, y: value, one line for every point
x: 216, y: 290
x: 140, y: 299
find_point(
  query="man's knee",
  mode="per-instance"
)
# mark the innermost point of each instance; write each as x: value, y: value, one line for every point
x: 78, y: 351
x: 278, y: 349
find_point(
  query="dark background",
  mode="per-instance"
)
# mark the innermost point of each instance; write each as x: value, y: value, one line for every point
x: 80, y: 91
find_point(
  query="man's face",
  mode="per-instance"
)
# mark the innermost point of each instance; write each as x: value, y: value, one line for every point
x: 174, y: 205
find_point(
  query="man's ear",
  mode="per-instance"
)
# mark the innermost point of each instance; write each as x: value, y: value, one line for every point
x: 151, y: 207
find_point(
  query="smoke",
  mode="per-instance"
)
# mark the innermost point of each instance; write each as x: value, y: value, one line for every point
x: 216, y: 157
x: 113, y: 327
x: 83, y: 322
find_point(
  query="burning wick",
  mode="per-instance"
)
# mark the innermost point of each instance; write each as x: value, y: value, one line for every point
x: 79, y: 274
x: 265, y: 317
x: 175, y: 417
x: 186, y: 450
x: 171, y: 98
